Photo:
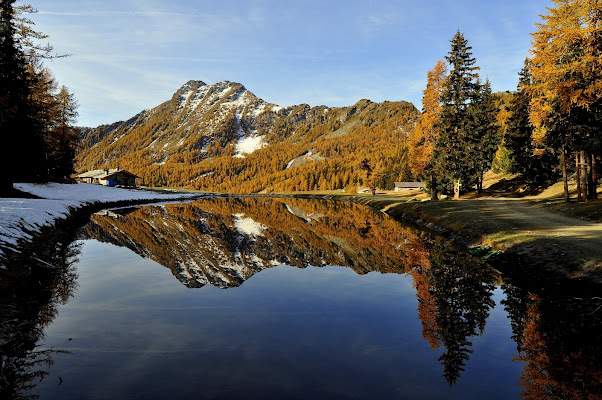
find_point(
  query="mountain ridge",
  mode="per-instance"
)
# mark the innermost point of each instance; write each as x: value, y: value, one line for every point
x: 179, y: 142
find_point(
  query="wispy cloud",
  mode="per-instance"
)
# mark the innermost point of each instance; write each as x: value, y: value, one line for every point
x: 110, y: 13
x: 133, y: 54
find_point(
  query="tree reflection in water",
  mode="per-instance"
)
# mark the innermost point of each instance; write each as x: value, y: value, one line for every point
x: 224, y: 242
x: 454, y: 293
x: 559, y: 341
x: 454, y: 288
x: 33, y: 285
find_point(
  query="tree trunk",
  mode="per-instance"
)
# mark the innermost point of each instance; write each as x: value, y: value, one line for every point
x: 588, y: 171
x: 594, y: 178
x: 434, y: 194
x: 567, y: 198
x: 457, y: 190
x: 582, y: 165
x: 578, y: 176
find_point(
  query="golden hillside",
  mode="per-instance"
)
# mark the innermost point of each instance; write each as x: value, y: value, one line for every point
x: 223, y: 138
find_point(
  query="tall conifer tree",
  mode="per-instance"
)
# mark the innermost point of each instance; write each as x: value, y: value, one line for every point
x: 483, y: 135
x: 423, y: 138
x: 567, y: 74
x: 62, y: 138
x: 23, y: 151
x: 461, y: 90
x: 535, y: 164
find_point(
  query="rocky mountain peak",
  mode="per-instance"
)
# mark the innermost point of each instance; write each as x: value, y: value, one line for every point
x: 222, y: 132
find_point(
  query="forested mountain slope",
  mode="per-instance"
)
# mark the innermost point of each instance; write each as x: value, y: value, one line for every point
x: 223, y: 138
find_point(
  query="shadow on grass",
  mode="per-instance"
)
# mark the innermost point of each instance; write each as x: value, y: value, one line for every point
x: 517, y: 187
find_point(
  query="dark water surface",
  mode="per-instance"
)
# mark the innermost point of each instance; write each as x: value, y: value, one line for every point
x: 283, y: 299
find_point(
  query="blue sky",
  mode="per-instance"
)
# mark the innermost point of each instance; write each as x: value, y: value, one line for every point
x: 129, y: 55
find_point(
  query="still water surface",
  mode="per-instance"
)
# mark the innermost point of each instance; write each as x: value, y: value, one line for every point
x: 256, y: 298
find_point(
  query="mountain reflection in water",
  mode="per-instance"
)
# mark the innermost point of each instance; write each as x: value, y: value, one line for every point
x: 224, y: 242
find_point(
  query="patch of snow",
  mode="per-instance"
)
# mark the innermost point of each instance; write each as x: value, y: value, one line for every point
x: 259, y: 110
x: 183, y: 99
x: 248, y: 226
x: 248, y: 145
x: 20, y: 216
x: 198, y: 97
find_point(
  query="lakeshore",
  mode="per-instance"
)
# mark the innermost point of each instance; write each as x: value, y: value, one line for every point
x: 540, y: 231
x: 22, y: 218
x: 112, y: 284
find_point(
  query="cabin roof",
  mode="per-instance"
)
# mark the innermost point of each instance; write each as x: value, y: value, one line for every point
x: 105, y: 173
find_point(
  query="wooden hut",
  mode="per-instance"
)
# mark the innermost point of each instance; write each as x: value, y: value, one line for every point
x: 109, y: 177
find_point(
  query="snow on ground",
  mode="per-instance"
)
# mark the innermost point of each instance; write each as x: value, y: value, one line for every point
x: 248, y: 145
x: 290, y: 163
x: 20, y: 218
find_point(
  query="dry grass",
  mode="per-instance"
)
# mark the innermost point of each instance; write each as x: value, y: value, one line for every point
x: 541, y: 227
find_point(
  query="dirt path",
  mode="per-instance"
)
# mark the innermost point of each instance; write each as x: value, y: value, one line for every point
x: 536, y: 223
x: 516, y: 226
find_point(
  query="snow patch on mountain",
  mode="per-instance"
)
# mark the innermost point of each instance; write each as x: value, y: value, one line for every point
x: 192, y: 89
x: 248, y: 145
x: 295, y: 162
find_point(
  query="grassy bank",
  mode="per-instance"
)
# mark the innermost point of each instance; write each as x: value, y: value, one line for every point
x: 542, y: 231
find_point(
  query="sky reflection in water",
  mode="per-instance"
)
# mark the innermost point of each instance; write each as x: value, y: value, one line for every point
x: 409, y: 316
x: 288, y: 333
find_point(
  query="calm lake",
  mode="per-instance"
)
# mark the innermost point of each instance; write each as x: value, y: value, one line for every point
x: 283, y: 299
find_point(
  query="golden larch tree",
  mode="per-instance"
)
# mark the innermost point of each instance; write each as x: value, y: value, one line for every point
x: 422, y: 140
x: 567, y: 82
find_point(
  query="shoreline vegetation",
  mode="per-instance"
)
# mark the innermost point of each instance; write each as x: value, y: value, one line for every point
x: 537, y: 235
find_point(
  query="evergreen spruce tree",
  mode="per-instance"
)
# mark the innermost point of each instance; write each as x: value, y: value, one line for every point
x: 483, y: 137
x: 519, y: 132
x: 22, y: 154
x: 461, y: 90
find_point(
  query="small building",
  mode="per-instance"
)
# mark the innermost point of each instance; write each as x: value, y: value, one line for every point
x: 109, y: 177
x: 403, y: 186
